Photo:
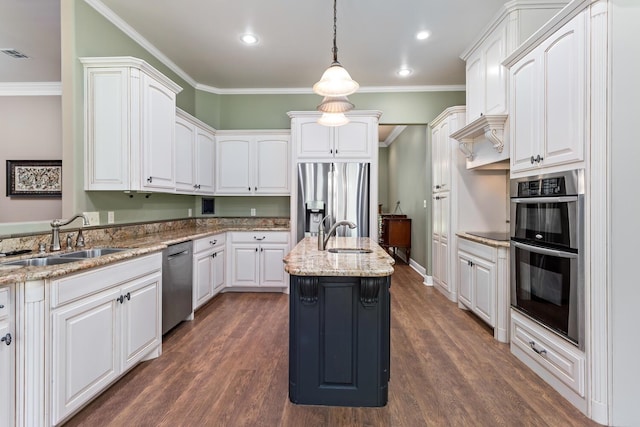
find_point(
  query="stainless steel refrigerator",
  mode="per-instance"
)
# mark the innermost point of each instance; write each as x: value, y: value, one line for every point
x: 337, y: 191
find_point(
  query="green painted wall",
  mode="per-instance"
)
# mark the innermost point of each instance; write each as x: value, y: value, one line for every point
x: 408, y: 171
x: 383, y: 178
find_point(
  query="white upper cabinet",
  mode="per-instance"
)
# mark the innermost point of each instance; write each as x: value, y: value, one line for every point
x: 357, y: 140
x: 485, y: 138
x: 252, y: 163
x: 129, y: 126
x: 194, y: 154
x: 548, y: 98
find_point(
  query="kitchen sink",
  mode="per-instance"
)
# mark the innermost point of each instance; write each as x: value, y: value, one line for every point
x: 350, y: 250
x: 39, y: 262
x: 92, y: 253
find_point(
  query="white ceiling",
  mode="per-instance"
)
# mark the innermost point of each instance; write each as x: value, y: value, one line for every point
x: 375, y: 38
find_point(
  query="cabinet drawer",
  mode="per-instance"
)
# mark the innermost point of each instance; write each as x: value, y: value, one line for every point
x: 561, y: 359
x: 70, y: 288
x: 4, y: 302
x: 478, y: 249
x: 208, y: 242
x: 260, y: 237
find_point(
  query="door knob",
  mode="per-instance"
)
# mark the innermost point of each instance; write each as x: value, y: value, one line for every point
x: 6, y: 339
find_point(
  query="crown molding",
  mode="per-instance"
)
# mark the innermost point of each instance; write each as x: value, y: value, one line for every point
x: 309, y: 91
x: 31, y: 89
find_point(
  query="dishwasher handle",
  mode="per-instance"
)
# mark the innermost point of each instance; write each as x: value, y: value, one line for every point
x: 172, y: 256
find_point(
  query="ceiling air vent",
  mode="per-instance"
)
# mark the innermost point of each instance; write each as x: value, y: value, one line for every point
x: 14, y: 53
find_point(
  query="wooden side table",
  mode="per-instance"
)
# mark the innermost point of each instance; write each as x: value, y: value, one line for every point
x: 395, y: 232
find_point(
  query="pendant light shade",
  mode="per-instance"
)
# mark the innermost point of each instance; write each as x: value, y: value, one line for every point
x: 335, y: 104
x: 335, y: 84
x: 333, y: 119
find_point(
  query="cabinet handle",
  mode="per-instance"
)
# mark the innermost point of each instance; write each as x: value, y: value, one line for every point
x: 6, y: 339
x: 437, y: 187
x: 248, y: 188
x: 532, y: 159
x: 336, y: 151
x: 256, y: 249
x: 1, y: 305
x: 542, y: 352
x: 128, y: 296
x: 214, y: 242
x: 120, y: 299
x: 195, y: 186
x: 260, y: 238
x: 539, y: 159
x: 261, y: 249
x: 331, y: 151
x: 255, y: 188
x: 150, y: 179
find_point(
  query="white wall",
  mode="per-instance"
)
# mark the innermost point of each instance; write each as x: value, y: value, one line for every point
x: 30, y: 129
x: 625, y: 211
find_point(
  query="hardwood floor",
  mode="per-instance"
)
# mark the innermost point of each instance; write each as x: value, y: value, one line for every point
x: 229, y: 367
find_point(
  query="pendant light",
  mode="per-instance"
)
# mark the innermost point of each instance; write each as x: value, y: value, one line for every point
x: 335, y: 84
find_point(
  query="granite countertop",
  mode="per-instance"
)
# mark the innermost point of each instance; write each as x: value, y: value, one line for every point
x: 306, y: 260
x: 484, y: 240
x: 135, y: 246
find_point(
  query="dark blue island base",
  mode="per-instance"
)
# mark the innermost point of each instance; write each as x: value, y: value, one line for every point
x: 339, y: 343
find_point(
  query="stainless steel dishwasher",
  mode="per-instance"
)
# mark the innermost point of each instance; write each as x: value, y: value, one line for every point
x: 177, y: 287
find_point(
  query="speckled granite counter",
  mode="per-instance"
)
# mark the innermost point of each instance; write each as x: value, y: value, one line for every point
x: 484, y: 240
x: 136, y: 242
x: 306, y: 260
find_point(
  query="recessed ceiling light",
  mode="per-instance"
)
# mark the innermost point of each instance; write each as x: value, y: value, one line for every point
x: 423, y: 35
x: 249, y: 39
x: 404, y: 72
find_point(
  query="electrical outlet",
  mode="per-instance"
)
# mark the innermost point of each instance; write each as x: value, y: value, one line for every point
x: 253, y: 211
x: 93, y: 217
x: 190, y: 213
x: 110, y: 217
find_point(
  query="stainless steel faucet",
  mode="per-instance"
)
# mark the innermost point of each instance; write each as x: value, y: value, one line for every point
x: 322, y: 240
x: 55, y: 230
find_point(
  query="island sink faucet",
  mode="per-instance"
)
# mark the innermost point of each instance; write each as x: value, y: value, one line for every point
x: 55, y: 230
x: 322, y: 241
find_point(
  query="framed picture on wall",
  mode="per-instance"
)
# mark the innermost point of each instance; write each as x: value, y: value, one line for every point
x: 34, y: 178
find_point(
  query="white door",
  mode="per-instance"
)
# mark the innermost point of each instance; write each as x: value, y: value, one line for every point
x: 244, y: 265
x: 435, y: 258
x: 314, y: 140
x: 7, y: 374
x: 202, y: 278
x: 353, y: 140
x: 465, y: 279
x: 443, y: 263
x: 484, y: 283
x: 218, y: 261
x: 233, y: 165
x: 271, y: 266
x: 141, y: 319
x: 435, y: 158
x: 85, y: 351
x: 185, y: 155
x: 205, y: 152
x: 159, y: 113
x: 272, y: 165
x: 444, y: 152
x: 525, y: 121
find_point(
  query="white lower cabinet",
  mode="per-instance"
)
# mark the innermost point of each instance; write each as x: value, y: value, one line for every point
x: 208, y: 268
x: 483, y: 285
x: 7, y: 358
x: 103, y: 322
x: 256, y: 259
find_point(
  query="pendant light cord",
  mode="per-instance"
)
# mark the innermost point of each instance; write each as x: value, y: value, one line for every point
x: 335, y: 30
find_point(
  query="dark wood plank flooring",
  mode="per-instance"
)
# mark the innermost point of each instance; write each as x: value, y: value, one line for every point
x: 229, y: 367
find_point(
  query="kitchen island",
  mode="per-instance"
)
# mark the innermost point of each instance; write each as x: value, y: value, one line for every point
x: 339, y: 319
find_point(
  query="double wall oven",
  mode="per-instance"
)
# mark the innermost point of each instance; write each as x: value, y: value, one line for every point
x: 547, y: 233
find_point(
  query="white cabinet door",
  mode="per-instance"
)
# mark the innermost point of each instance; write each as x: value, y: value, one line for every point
x: 271, y: 266
x: 7, y: 372
x: 205, y: 152
x: 233, y: 165
x: 219, y: 262
x: 475, y: 87
x: 525, y: 117
x: 353, y: 140
x: 244, y: 268
x: 436, y: 175
x: 444, y: 203
x: 465, y: 279
x: 202, y: 277
x: 314, y: 141
x: 484, y: 288
x: 159, y: 112
x: 185, y: 157
x: 494, y: 51
x: 85, y: 351
x: 141, y: 319
x: 272, y: 165
x: 443, y: 263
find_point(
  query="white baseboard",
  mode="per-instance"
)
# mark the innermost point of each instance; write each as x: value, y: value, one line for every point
x: 428, y: 281
x: 421, y: 271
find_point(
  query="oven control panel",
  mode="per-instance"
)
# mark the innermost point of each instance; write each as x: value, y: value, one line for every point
x: 542, y: 187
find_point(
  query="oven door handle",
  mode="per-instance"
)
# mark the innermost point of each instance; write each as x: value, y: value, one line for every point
x: 531, y: 200
x: 544, y: 251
